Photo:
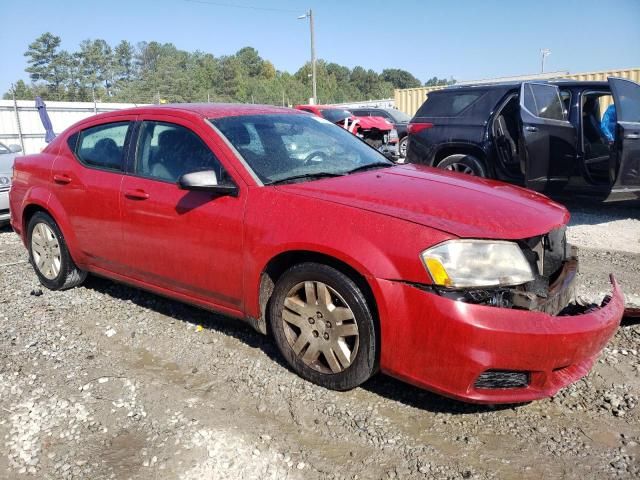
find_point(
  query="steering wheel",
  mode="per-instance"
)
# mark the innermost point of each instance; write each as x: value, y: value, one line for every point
x: 314, y: 157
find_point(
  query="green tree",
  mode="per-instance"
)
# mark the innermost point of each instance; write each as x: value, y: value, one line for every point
x: 44, y: 62
x: 399, y: 78
x: 438, y: 82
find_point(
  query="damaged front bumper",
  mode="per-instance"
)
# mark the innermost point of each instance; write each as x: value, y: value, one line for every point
x: 491, y: 354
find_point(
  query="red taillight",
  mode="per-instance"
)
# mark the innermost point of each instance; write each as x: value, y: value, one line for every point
x: 418, y: 127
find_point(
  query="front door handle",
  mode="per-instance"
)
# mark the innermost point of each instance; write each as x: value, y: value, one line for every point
x: 530, y: 128
x: 632, y: 136
x: 136, y: 194
x: 61, y: 178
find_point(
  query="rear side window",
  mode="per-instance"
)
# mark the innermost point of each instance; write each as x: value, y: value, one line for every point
x: 103, y: 146
x: 448, y: 104
x: 543, y: 101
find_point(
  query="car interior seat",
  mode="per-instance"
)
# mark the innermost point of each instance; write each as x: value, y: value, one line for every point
x: 107, y: 153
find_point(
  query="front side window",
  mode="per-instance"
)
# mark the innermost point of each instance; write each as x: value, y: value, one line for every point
x: 167, y: 151
x: 543, y: 101
x: 102, y: 146
x: 296, y: 146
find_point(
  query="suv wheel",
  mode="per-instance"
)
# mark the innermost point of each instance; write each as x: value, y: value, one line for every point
x: 402, y: 148
x: 323, y: 327
x: 49, y: 255
x: 462, y: 163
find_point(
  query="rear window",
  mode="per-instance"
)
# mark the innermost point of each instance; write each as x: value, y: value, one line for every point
x: 448, y: 104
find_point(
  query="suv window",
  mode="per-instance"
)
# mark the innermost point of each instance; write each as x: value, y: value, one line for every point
x: 543, y: 101
x: 103, y: 146
x: 167, y: 151
x: 629, y: 101
x: 447, y: 104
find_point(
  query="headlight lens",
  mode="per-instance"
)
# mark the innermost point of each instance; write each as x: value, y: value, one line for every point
x: 477, y: 263
x: 4, y: 181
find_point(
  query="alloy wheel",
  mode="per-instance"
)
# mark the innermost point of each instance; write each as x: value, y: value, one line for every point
x: 46, y: 251
x: 320, y: 327
x: 460, y: 168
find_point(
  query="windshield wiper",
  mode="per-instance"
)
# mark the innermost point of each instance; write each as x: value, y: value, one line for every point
x: 368, y: 167
x: 306, y: 176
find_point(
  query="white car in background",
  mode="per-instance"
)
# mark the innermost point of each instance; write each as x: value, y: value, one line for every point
x: 7, y: 156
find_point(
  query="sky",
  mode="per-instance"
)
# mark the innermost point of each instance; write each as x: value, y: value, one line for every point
x: 463, y: 39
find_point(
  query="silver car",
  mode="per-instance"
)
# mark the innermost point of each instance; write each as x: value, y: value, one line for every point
x: 7, y: 156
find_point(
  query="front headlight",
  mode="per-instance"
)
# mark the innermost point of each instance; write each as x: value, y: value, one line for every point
x: 477, y: 263
x: 5, y: 181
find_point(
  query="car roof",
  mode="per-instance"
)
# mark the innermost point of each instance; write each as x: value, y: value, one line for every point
x: 516, y: 84
x: 208, y: 110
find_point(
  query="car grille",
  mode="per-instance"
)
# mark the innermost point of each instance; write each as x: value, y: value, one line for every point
x: 492, y: 379
x: 4, y: 188
x: 547, y: 252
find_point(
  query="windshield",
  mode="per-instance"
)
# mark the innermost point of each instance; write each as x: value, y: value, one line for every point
x: 398, y: 116
x: 4, y: 149
x: 282, y: 146
x: 335, y: 115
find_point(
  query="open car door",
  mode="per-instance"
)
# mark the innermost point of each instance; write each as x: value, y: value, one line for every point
x: 549, y: 140
x: 624, y: 166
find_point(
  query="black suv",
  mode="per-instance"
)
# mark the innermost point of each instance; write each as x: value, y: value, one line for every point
x: 544, y: 135
x: 399, y: 119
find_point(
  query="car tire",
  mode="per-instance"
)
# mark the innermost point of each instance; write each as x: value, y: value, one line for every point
x: 463, y: 163
x: 402, y: 147
x: 323, y: 326
x: 49, y: 255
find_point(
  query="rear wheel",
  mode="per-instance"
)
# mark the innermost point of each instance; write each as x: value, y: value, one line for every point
x: 462, y: 163
x: 49, y: 255
x: 323, y: 326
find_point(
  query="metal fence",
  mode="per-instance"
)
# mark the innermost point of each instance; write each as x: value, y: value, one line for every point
x: 409, y: 99
x: 20, y: 122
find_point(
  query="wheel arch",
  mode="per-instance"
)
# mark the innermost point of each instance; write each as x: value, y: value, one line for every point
x: 281, y: 262
x: 459, y: 148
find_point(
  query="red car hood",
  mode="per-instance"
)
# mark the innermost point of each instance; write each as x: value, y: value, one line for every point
x: 380, y: 123
x: 460, y: 205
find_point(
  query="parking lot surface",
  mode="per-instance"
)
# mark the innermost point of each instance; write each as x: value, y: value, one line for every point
x: 107, y: 381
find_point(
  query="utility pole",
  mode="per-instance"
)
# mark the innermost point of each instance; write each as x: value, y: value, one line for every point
x: 309, y: 15
x: 544, y: 53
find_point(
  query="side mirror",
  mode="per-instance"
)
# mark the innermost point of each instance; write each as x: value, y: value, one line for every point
x: 206, y: 181
x: 15, y: 148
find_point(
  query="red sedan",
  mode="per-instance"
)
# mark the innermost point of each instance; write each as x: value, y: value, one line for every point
x: 353, y: 264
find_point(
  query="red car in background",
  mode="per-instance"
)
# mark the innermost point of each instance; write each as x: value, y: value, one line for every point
x: 352, y: 264
x: 376, y: 131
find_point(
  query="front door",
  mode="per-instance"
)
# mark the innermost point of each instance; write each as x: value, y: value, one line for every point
x: 188, y: 242
x: 549, y: 138
x: 625, y: 163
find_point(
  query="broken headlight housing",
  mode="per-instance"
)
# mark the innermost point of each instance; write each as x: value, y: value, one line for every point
x: 477, y: 263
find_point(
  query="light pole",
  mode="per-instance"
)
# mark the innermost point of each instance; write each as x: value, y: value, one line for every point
x: 309, y: 15
x: 545, y: 52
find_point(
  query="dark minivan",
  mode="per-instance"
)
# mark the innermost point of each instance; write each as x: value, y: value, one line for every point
x: 546, y: 136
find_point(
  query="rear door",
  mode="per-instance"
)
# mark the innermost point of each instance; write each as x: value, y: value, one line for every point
x: 549, y: 139
x: 625, y: 164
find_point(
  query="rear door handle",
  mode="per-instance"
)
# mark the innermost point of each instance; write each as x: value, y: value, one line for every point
x: 136, y: 194
x: 62, y: 179
x: 529, y: 128
x: 632, y: 136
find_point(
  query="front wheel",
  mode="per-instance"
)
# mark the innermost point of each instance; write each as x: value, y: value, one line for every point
x: 323, y: 326
x: 49, y: 255
x: 462, y: 163
x: 402, y: 148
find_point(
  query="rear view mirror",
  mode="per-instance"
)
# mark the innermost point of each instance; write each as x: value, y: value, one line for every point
x: 206, y: 181
x: 15, y: 148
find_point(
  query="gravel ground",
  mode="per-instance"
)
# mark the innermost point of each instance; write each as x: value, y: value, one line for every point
x: 106, y: 381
